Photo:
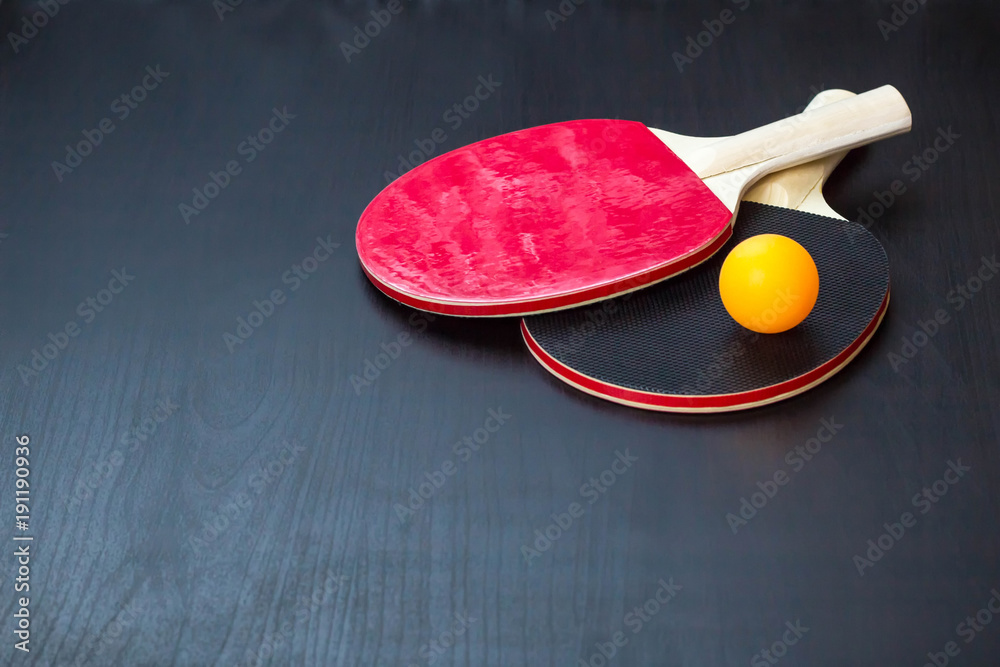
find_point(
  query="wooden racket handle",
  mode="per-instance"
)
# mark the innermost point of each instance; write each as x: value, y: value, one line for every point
x: 812, y: 134
x: 790, y: 187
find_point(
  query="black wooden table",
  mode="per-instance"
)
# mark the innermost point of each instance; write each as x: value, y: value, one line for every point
x: 240, y: 453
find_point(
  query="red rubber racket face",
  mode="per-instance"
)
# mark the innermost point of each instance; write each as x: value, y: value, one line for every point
x: 537, y: 220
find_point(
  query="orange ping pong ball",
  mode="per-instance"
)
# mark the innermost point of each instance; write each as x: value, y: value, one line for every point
x: 769, y: 283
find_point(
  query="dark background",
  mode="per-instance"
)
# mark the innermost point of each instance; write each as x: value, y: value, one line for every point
x: 129, y: 574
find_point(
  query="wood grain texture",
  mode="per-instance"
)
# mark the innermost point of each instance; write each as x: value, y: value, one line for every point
x: 118, y: 578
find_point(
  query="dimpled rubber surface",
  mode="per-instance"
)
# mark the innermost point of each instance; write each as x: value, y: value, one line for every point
x: 676, y: 338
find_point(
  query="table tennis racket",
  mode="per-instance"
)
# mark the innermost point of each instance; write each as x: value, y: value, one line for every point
x: 673, y: 347
x: 570, y: 213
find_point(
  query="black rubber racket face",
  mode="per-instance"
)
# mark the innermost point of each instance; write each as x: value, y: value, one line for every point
x: 673, y: 346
